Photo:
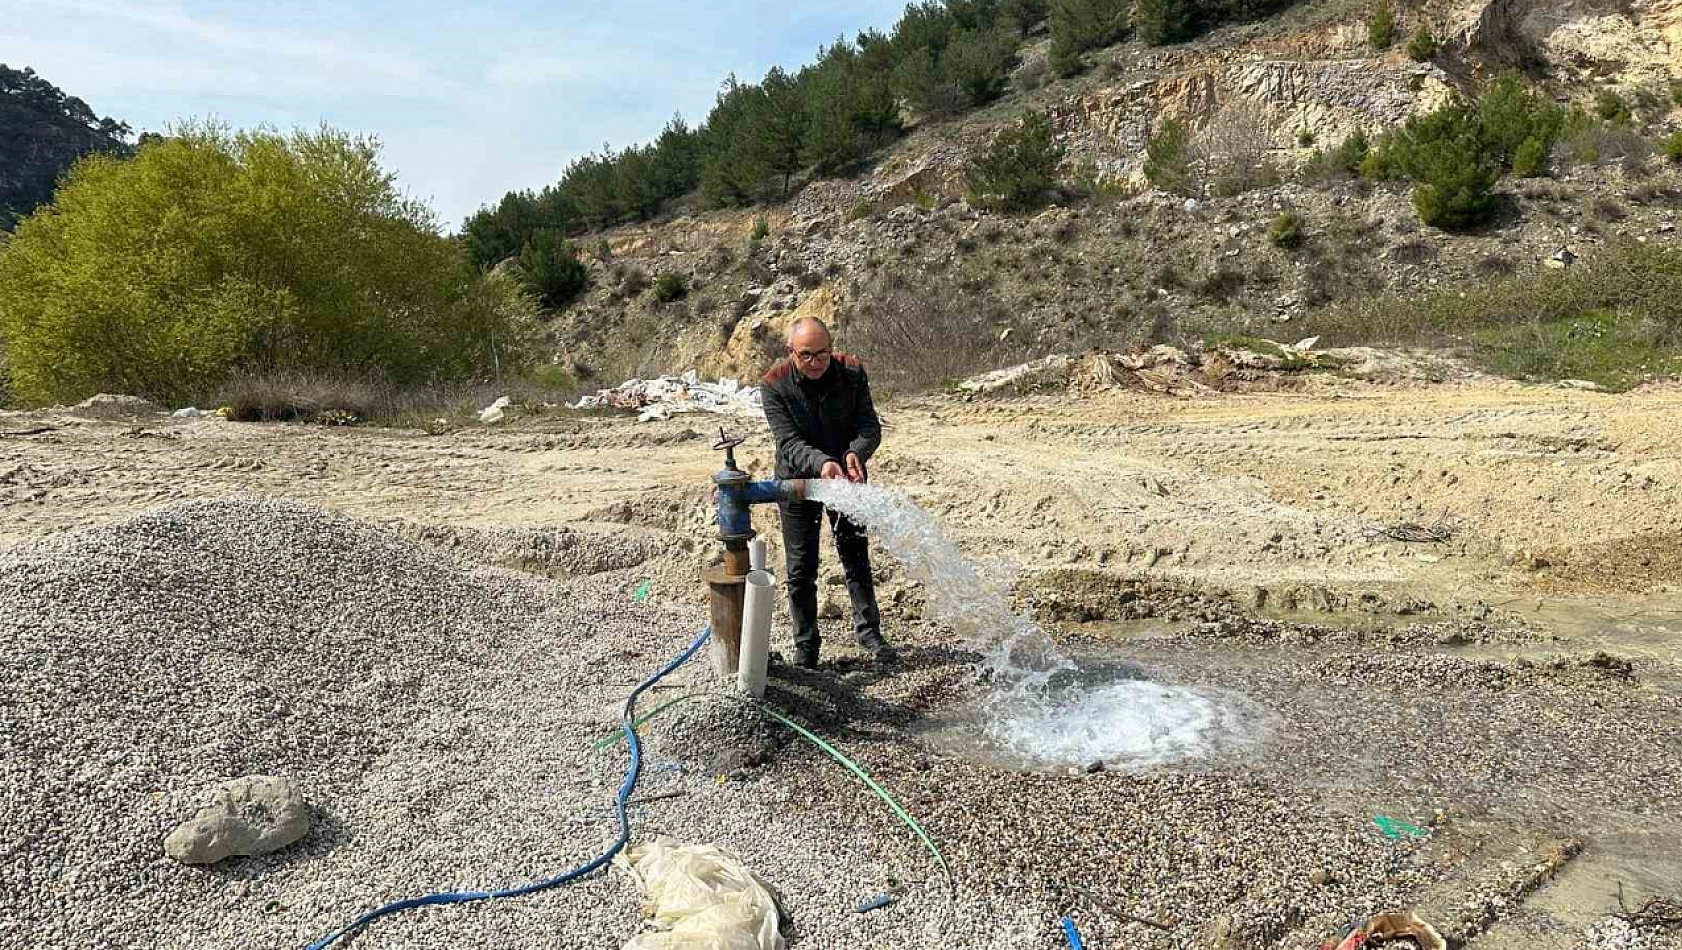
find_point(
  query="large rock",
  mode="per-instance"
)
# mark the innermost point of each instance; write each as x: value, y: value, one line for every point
x: 256, y: 814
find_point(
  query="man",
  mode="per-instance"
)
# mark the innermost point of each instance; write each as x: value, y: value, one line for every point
x: 818, y: 403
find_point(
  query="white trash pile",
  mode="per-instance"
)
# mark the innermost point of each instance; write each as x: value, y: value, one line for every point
x: 701, y: 898
x: 670, y: 395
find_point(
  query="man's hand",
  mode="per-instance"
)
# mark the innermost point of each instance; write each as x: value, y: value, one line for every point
x: 855, y: 469
x: 832, y: 469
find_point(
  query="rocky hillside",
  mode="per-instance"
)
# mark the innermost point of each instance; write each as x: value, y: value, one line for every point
x: 1116, y: 262
x: 40, y: 138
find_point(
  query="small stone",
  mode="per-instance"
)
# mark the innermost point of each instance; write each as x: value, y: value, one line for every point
x: 256, y: 814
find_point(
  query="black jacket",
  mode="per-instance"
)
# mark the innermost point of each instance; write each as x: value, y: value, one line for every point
x: 820, y: 420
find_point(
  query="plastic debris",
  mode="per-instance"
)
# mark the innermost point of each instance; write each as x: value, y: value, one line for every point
x: 1396, y: 829
x: 496, y: 411
x: 701, y: 898
x: 1025, y: 374
x: 875, y: 903
x: 1072, y: 935
x: 1387, y: 927
x: 668, y: 396
x: 641, y: 593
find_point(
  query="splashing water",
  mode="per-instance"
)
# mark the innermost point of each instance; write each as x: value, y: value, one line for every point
x: 1043, y: 710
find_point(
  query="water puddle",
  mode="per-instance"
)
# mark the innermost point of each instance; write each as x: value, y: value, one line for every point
x: 1041, y: 707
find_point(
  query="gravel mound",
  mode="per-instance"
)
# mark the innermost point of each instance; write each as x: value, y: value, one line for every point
x: 439, y: 716
x: 143, y: 662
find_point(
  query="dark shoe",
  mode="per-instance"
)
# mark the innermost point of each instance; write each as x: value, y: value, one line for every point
x: 878, y: 647
x: 806, y: 658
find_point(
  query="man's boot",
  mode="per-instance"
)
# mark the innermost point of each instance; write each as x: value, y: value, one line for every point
x: 806, y: 656
x: 884, y: 652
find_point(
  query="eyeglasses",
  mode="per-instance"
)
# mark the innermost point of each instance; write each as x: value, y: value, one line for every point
x: 811, y: 356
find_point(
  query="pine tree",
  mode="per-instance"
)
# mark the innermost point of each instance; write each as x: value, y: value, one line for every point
x: 776, y: 128
x: 1019, y: 168
x: 1159, y: 22
x: 978, y: 64
x: 1168, y: 162
x: 1081, y: 25
x: 550, y: 268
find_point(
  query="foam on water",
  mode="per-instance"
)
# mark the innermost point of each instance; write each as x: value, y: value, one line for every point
x: 1041, y: 710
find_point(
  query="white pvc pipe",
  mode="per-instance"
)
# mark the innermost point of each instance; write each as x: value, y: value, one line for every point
x: 756, y: 555
x: 756, y: 632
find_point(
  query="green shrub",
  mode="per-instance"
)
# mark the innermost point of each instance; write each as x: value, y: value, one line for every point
x: 1512, y: 117
x: 1381, y: 26
x: 1306, y: 138
x: 1456, y: 189
x: 761, y: 229
x: 670, y: 287
x: 211, y: 253
x: 1672, y: 147
x: 552, y: 376
x: 1019, y: 167
x: 1286, y: 230
x: 1611, y: 107
x: 1168, y: 159
x: 1454, y: 166
x: 1423, y: 47
x: 550, y: 268
x: 1531, y: 159
x: 1353, y: 152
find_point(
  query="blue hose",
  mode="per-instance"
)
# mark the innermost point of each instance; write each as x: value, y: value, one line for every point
x: 625, y: 789
x: 1070, y: 932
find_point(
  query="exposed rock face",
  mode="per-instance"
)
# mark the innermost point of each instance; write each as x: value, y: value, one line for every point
x: 1331, y: 99
x: 1625, y: 41
x: 252, y: 815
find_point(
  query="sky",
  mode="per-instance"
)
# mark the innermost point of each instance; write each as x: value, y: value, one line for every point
x: 470, y: 99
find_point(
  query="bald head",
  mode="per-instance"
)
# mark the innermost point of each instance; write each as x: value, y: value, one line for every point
x: 804, y: 328
x: 810, y: 343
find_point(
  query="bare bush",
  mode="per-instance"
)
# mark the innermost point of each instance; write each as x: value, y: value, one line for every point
x: 1417, y: 251
x: 915, y: 338
x: 1233, y: 154
x: 1494, y: 265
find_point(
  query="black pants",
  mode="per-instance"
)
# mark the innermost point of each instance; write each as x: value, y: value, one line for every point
x: 802, y: 523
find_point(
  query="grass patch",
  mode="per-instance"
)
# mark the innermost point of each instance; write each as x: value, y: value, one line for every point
x: 1256, y: 344
x: 1601, y: 347
x: 1614, y: 319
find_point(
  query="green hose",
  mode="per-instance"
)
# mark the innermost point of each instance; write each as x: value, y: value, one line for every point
x: 833, y: 753
x: 881, y: 792
x: 619, y: 734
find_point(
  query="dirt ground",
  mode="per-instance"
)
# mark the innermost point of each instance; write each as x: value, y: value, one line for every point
x: 1544, y: 492
x: 1553, y: 512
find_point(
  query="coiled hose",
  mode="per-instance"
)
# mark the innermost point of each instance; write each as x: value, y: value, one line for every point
x: 629, y: 727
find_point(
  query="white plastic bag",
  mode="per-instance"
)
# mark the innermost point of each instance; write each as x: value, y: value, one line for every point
x: 701, y: 898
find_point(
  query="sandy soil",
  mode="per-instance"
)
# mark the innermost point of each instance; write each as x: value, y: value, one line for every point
x: 1559, y: 513
x: 1548, y: 491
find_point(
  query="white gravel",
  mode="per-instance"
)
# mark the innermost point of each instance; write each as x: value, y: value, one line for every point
x: 438, y: 715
